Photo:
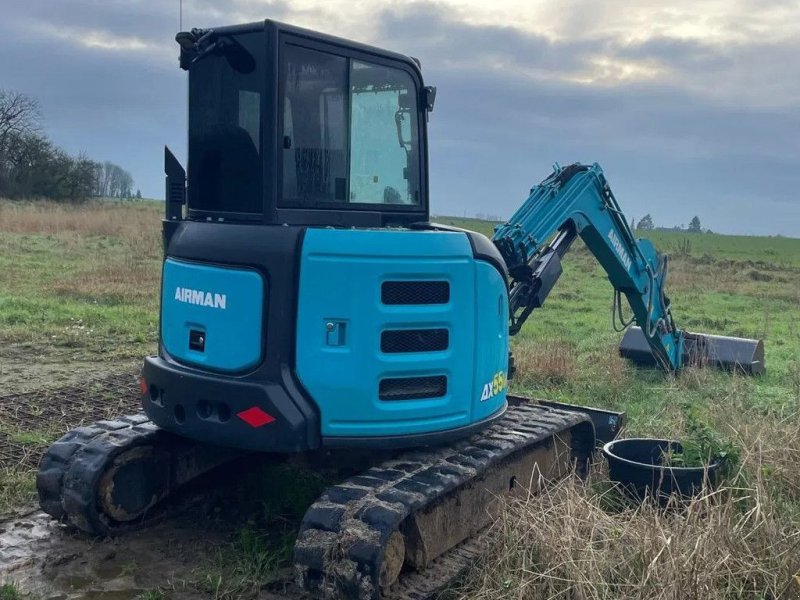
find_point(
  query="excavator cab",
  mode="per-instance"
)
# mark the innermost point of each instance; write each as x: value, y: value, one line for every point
x: 306, y: 299
x: 293, y: 127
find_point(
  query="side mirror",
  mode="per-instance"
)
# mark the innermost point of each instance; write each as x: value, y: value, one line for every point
x: 429, y: 97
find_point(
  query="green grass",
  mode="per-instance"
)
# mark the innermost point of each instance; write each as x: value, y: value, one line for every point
x: 79, y: 288
x: 61, y: 293
x: 9, y: 591
x: 244, y: 567
x: 780, y: 251
x: 80, y: 294
x: 17, y: 489
x: 152, y: 595
x: 261, y: 551
x: 596, y: 376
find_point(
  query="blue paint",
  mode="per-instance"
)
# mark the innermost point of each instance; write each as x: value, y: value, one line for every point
x: 633, y: 266
x: 223, y: 304
x: 340, y: 319
x: 491, y: 335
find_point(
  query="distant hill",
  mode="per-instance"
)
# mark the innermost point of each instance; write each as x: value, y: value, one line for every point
x: 772, y: 250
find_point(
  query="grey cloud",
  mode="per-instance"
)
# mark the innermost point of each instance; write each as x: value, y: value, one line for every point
x: 505, y: 110
x: 427, y: 29
x: 682, y: 52
x: 666, y: 150
x: 155, y: 23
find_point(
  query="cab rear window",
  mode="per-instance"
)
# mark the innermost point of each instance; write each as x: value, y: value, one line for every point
x: 225, y: 137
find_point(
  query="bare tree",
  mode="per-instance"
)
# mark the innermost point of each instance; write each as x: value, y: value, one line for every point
x: 19, y: 117
x: 112, y: 181
x: 32, y: 166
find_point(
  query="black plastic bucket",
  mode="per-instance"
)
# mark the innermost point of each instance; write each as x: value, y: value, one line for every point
x: 636, y: 463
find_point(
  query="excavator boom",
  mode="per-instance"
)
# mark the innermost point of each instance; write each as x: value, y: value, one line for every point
x: 577, y: 201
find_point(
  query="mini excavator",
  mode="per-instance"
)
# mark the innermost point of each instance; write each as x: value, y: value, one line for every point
x: 309, y: 305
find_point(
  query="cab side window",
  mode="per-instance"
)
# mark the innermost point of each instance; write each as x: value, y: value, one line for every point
x: 384, y: 164
x: 350, y: 131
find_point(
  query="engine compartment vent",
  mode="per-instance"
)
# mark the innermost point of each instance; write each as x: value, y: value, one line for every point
x: 415, y: 292
x: 412, y: 388
x: 397, y: 341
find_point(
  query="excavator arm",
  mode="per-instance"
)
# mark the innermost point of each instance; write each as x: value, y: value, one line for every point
x: 577, y: 201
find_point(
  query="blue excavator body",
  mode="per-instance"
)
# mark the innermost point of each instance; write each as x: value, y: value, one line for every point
x: 309, y: 305
x: 308, y: 301
x: 387, y: 337
x: 395, y: 334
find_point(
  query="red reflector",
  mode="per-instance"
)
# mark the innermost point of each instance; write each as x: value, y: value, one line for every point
x: 142, y: 386
x: 255, y: 417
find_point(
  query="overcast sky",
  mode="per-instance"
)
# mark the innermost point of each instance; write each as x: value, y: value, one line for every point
x: 692, y: 107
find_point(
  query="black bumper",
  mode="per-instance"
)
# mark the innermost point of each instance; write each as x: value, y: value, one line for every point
x: 230, y: 411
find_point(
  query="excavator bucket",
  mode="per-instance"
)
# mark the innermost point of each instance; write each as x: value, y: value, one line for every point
x: 730, y: 353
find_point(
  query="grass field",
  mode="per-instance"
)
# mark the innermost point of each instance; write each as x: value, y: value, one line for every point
x: 743, y: 542
x: 79, y: 288
x: 79, y: 297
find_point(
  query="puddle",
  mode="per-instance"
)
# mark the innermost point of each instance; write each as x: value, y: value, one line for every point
x: 50, y: 561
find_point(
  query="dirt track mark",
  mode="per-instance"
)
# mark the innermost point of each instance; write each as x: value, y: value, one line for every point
x: 30, y: 420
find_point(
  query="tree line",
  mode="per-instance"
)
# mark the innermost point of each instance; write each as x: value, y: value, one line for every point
x: 32, y: 166
x: 646, y: 224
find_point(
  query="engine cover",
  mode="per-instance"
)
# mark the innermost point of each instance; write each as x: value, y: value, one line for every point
x: 399, y: 333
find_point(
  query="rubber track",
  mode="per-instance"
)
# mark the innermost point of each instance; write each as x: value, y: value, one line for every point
x: 70, y: 471
x: 340, y: 547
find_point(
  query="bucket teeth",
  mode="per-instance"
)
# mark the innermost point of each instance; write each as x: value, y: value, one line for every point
x: 729, y: 353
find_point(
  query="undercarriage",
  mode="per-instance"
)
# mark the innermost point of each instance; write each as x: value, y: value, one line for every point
x: 406, y: 527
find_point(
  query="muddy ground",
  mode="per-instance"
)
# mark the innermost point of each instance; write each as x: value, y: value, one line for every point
x: 194, y: 553
x: 30, y: 420
x: 49, y: 561
x: 176, y: 559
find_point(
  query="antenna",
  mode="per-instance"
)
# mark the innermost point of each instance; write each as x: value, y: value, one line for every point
x: 180, y: 15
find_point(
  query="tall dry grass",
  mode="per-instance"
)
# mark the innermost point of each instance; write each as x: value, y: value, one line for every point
x: 549, y: 362
x: 126, y: 268
x: 582, y: 541
x: 126, y: 220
